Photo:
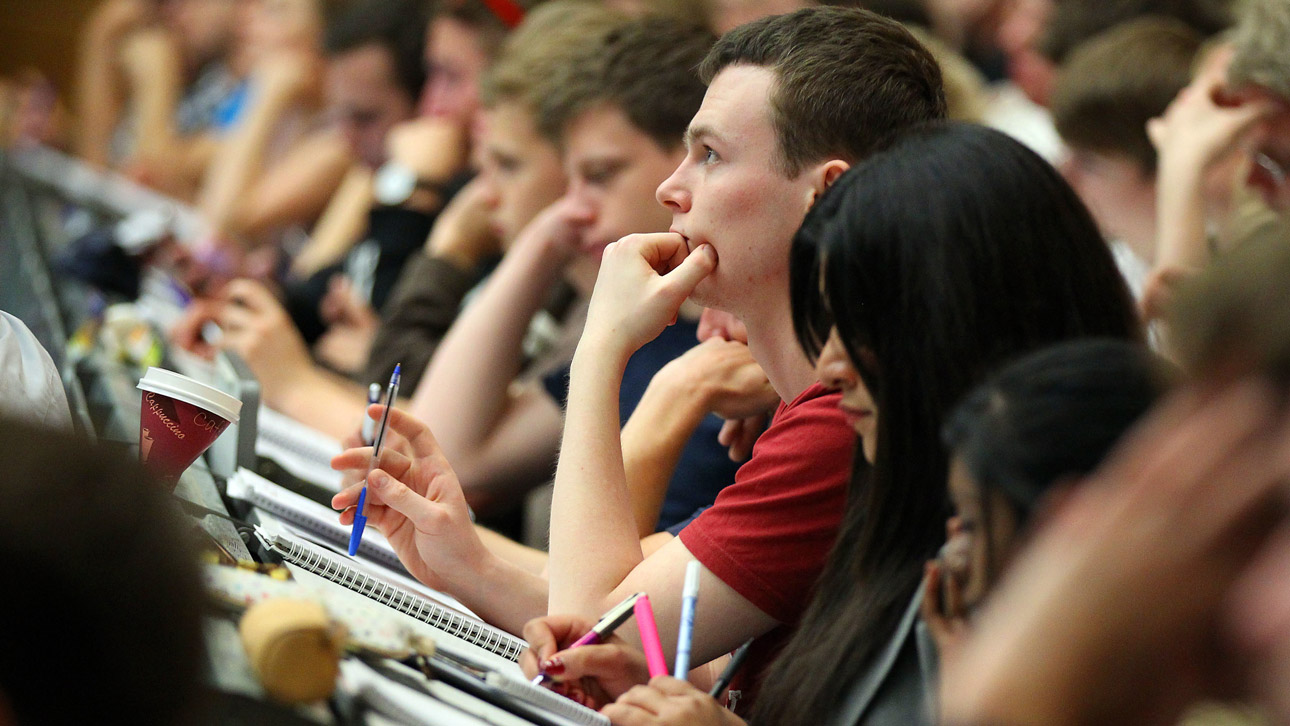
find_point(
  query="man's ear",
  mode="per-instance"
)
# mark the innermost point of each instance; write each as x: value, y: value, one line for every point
x: 822, y: 177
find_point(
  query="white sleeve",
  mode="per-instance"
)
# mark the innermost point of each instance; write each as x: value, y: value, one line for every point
x: 30, y: 387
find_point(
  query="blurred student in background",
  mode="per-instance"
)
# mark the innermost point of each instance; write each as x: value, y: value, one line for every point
x: 1156, y: 585
x: 1103, y: 97
x: 520, y: 173
x: 1229, y: 122
x: 276, y: 165
x: 153, y: 74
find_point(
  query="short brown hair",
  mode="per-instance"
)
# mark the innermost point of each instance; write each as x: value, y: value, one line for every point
x: 1260, y: 42
x: 545, y: 49
x: 646, y: 68
x: 1075, y: 21
x: 1112, y: 85
x: 846, y: 80
x: 398, y: 26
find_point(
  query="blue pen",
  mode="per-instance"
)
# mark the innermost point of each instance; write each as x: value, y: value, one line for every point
x: 360, y: 513
x: 373, y: 396
x: 689, y: 599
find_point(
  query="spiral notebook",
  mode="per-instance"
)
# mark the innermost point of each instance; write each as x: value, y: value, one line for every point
x: 443, y: 619
x: 312, y: 518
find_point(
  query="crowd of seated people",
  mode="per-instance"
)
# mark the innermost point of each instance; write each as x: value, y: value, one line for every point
x: 945, y: 336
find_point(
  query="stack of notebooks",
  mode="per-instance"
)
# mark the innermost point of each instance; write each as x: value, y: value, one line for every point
x: 303, y: 451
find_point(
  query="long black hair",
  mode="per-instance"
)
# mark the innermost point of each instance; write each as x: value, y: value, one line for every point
x: 939, y: 259
x: 1051, y: 415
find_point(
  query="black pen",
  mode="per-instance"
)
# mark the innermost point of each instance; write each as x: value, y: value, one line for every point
x: 723, y: 681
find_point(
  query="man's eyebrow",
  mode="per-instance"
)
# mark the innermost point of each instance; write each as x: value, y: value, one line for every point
x: 694, y: 133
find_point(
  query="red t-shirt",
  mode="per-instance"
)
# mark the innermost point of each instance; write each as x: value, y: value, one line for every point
x: 768, y: 534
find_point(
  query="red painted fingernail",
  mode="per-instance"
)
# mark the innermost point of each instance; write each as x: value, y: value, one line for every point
x: 553, y: 667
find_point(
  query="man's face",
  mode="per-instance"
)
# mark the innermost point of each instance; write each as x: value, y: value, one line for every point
x: 613, y: 170
x: 365, y: 101
x: 1022, y: 25
x: 729, y: 192
x: 520, y: 170
x: 455, y: 61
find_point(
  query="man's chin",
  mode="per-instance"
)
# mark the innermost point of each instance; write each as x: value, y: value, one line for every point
x: 705, y: 294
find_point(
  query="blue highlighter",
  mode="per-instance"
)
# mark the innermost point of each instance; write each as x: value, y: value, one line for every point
x: 360, y: 512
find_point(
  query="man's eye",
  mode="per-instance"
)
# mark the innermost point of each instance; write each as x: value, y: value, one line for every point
x: 709, y: 155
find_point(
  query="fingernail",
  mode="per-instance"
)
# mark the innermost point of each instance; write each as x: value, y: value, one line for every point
x: 379, y: 480
x: 553, y: 667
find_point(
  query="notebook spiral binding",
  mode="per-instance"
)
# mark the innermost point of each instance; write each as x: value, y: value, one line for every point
x: 471, y: 631
x: 329, y: 531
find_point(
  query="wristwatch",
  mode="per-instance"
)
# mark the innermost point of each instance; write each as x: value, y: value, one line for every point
x: 394, y: 184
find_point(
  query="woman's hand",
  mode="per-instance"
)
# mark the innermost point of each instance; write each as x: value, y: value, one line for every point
x: 593, y: 675
x: 942, y: 609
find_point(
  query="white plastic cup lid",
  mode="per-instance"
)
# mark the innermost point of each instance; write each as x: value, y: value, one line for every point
x: 183, y: 388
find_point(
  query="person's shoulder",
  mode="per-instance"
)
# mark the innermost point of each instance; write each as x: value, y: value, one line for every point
x: 815, y: 406
x: 810, y: 429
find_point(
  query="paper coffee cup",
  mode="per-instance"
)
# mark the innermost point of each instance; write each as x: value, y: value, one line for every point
x: 179, y: 419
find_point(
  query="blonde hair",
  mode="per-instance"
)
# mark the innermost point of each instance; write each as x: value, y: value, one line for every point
x: 1260, y: 44
x: 964, y: 85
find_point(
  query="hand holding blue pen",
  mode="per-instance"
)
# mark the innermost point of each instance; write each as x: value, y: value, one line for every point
x: 360, y: 513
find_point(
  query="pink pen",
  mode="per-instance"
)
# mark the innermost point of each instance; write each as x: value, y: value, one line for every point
x: 604, y: 628
x: 649, y: 637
